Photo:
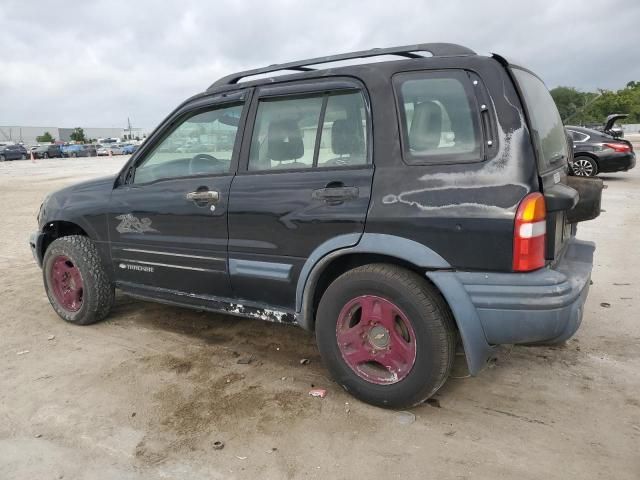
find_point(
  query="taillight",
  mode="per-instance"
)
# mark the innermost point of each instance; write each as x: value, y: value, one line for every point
x: 529, y: 235
x: 618, y: 147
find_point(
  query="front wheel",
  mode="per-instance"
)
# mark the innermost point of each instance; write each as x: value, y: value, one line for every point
x: 76, y: 282
x: 45, y: 155
x: 585, y: 167
x: 386, y: 335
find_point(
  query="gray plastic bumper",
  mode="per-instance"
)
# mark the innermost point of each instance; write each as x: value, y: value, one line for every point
x: 541, y: 306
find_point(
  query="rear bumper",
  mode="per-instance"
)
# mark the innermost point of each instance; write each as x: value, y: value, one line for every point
x: 541, y: 306
x: 544, y: 306
x: 617, y: 162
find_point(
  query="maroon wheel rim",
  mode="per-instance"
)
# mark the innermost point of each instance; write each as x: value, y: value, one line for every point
x: 66, y: 283
x: 376, y: 339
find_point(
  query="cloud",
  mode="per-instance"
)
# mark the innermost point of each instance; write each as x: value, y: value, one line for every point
x: 97, y: 63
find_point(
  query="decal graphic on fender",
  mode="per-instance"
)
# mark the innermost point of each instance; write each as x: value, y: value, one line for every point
x: 132, y: 224
x: 137, y: 268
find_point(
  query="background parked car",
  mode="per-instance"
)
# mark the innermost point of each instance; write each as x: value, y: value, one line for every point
x: 47, y: 151
x: 129, y: 148
x: 13, y: 152
x: 104, y: 149
x: 595, y: 152
x: 79, y: 151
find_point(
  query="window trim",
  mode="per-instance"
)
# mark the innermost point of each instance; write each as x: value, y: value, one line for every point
x: 586, y: 137
x: 312, y: 88
x: 168, y: 126
x: 462, y: 75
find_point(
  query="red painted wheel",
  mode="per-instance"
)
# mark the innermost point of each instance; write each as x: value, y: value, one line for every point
x: 66, y: 283
x: 77, y: 285
x: 376, y: 339
x: 386, y: 335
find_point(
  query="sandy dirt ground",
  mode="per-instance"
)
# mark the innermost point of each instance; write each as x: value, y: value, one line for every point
x: 148, y: 392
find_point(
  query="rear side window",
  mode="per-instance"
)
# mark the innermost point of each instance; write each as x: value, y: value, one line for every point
x: 326, y: 130
x: 545, y: 122
x: 438, y: 117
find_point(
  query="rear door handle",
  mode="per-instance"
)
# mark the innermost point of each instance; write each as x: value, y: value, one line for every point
x: 202, y: 196
x: 336, y: 194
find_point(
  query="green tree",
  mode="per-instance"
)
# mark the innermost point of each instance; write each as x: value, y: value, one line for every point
x: 78, y: 135
x: 45, y: 138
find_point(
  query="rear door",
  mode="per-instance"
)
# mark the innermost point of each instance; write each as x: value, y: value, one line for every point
x: 305, y: 177
x: 168, y: 226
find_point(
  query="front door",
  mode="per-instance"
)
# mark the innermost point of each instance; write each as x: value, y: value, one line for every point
x: 305, y: 177
x: 168, y: 221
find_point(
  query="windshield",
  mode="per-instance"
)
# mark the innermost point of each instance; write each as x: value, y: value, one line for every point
x: 546, y: 124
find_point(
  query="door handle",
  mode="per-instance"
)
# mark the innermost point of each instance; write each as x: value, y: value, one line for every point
x: 208, y: 196
x: 335, y: 194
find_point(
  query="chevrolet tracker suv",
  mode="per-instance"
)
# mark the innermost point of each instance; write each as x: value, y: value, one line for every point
x: 393, y: 207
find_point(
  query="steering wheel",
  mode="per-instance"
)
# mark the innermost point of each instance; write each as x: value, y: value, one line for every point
x: 204, y: 160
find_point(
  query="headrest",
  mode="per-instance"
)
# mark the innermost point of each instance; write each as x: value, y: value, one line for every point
x: 346, y: 137
x: 426, y: 127
x: 284, y: 141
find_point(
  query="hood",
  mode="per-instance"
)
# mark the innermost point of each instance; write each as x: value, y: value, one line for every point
x: 611, y: 120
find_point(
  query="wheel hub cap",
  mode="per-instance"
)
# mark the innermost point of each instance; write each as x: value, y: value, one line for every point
x: 376, y: 339
x: 66, y: 283
x: 582, y: 168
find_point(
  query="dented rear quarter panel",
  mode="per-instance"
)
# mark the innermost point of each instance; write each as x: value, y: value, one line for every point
x: 463, y: 211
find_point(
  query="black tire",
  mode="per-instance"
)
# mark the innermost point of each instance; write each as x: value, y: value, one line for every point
x: 45, y: 155
x: 2, y: 158
x: 23, y: 157
x: 430, y: 318
x: 98, y: 292
x: 584, y: 166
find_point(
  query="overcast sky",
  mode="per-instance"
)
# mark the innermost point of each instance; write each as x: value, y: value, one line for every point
x: 95, y: 63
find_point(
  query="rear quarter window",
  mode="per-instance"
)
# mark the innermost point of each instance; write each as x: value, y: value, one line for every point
x: 439, y: 117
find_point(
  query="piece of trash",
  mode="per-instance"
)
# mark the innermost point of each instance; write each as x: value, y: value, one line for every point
x: 621, y: 284
x: 228, y: 380
x: 273, y: 449
x: 51, y: 337
x: 450, y: 433
x: 405, y: 418
x: 283, y: 378
x: 318, y: 392
x: 241, y: 458
x: 605, y: 304
x: 218, y: 445
x: 22, y: 352
x: 434, y: 402
x: 38, y: 435
x: 304, y: 361
x: 133, y: 414
x: 626, y: 298
x: 245, y: 360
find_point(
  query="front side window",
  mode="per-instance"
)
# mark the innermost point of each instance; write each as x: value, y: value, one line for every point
x: 201, y: 144
x: 327, y: 130
x: 438, y: 117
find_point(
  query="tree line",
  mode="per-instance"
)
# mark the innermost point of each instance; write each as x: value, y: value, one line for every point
x: 583, y: 108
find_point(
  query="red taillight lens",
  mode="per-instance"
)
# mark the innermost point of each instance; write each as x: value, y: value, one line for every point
x: 618, y: 147
x: 529, y: 235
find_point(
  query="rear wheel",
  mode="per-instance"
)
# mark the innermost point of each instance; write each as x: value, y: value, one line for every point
x: 386, y: 335
x: 76, y: 283
x: 585, y: 167
x: 45, y: 155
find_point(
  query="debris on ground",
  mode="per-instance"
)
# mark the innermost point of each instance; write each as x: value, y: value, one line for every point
x: 51, y: 337
x: 241, y: 458
x: 218, y: 445
x: 245, y: 360
x: 450, y: 433
x: 305, y: 361
x: 605, y: 304
x: 620, y: 284
x: 405, y: 418
x: 318, y: 392
x: 38, y: 435
x: 22, y: 352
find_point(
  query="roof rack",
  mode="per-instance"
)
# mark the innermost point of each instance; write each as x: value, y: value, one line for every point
x: 408, y: 51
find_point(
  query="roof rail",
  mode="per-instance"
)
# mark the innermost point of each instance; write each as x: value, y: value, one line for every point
x: 436, y: 49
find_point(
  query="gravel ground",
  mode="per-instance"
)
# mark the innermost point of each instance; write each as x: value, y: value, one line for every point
x: 146, y: 393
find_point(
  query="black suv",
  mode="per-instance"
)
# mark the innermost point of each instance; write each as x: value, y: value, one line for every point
x: 47, y: 151
x: 394, y: 208
x: 12, y: 152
